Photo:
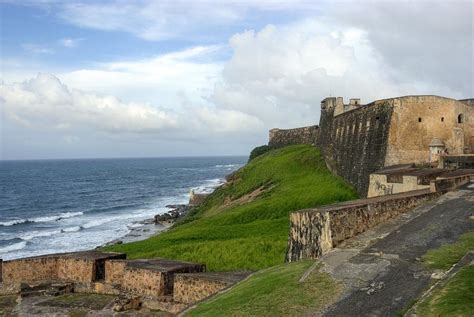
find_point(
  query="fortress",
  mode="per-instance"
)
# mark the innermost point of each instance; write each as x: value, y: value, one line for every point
x: 358, y: 140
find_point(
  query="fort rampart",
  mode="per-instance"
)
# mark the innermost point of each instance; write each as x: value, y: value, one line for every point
x: 148, y: 281
x: 357, y: 140
x: 285, y: 137
x: 313, y: 232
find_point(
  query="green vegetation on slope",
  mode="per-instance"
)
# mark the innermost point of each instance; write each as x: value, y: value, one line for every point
x: 273, y: 292
x: 449, y: 254
x: 259, y: 150
x: 456, y: 298
x: 244, y: 224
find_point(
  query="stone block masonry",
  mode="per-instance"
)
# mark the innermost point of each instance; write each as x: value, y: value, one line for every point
x: 157, y: 283
x: 313, y: 232
x: 357, y: 140
x: 304, y: 135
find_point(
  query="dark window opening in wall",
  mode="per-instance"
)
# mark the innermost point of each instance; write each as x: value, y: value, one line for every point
x: 100, y: 270
x: 442, y: 119
x: 419, y: 119
x: 461, y: 118
x: 377, y: 118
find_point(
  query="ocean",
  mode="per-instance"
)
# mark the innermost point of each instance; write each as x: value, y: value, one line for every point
x: 49, y: 206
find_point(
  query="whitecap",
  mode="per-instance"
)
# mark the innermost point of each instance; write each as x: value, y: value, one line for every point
x: 63, y: 215
x: 13, y: 247
x: 13, y: 222
x: 71, y: 229
x: 38, y: 234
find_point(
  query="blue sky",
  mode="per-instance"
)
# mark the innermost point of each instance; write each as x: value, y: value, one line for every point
x: 154, y: 78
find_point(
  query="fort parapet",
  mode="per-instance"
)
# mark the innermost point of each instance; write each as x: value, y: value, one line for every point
x: 161, y: 284
x: 357, y: 140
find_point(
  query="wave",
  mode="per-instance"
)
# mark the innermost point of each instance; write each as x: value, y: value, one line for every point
x: 13, y: 222
x: 38, y: 234
x: 228, y: 165
x: 72, y: 229
x: 63, y: 215
x: 13, y: 247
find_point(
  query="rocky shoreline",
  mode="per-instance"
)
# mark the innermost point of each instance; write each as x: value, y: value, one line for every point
x: 149, y: 227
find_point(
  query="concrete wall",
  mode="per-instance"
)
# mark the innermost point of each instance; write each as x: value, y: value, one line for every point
x: 304, y: 135
x: 313, y: 232
x: 379, y: 185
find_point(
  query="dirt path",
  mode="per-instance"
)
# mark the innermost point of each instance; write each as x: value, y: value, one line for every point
x: 381, y: 269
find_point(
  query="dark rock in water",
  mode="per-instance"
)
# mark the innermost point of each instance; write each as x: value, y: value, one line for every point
x: 172, y: 215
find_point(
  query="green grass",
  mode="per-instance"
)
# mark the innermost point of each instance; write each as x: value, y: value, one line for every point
x: 456, y: 298
x: 448, y: 255
x: 253, y: 234
x: 273, y: 292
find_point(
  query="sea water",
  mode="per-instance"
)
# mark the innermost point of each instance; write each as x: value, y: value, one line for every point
x: 49, y: 206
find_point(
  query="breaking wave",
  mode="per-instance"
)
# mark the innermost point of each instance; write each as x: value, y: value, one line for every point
x: 63, y: 215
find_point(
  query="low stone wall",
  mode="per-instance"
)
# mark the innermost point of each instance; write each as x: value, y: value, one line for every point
x: 29, y: 270
x: 78, y: 270
x: 456, y: 161
x: 191, y: 288
x: 115, y: 271
x: 144, y: 282
x: 314, y: 232
x: 450, y: 183
x: 304, y: 135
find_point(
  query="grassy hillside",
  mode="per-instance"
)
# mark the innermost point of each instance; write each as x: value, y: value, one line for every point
x: 244, y: 224
x: 274, y: 292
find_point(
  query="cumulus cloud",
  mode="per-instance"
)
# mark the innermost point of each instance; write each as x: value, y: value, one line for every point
x: 46, y: 103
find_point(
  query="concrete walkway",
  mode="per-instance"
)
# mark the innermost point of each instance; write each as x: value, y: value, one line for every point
x: 381, y: 269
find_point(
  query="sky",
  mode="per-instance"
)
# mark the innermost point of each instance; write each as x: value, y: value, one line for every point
x: 204, y: 78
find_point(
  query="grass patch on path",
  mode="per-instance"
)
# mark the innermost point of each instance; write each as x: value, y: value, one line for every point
x: 456, y: 298
x: 448, y: 255
x: 274, y: 292
x: 252, y: 233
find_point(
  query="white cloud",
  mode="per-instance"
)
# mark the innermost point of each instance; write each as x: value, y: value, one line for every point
x: 171, y: 80
x: 44, y: 103
x: 70, y: 42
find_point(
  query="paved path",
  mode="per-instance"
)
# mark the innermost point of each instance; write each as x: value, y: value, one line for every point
x: 381, y: 269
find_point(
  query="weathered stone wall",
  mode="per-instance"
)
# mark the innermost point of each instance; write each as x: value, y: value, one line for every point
x: 191, y: 288
x: 313, y: 232
x: 456, y: 161
x: 78, y: 270
x: 144, y: 282
x: 304, y: 135
x: 450, y: 183
x: 115, y: 271
x: 417, y: 120
x: 30, y: 270
x: 354, y: 143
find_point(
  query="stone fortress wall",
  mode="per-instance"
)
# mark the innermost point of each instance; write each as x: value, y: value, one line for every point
x: 162, y: 284
x: 314, y: 232
x: 357, y: 140
x: 285, y: 137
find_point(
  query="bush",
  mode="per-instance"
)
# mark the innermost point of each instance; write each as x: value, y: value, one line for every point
x: 259, y: 150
